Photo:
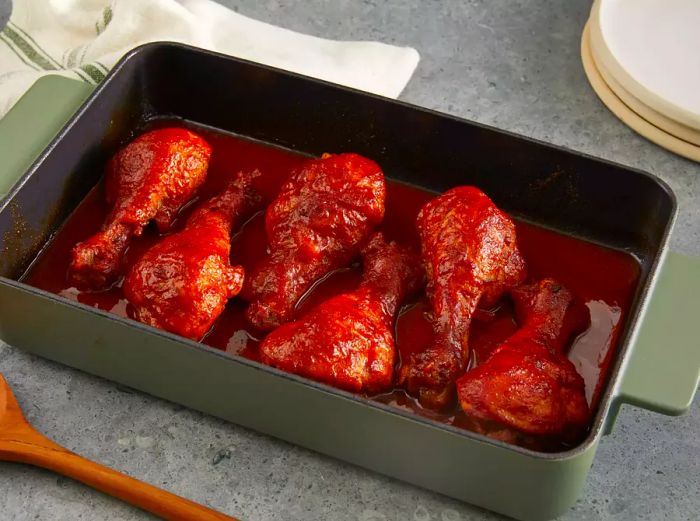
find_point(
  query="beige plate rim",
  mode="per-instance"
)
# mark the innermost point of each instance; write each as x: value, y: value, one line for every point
x: 627, y: 115
x: 605, y: 56
x: 666, y: 124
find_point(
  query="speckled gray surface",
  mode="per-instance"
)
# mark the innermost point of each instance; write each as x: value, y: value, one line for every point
x: 513, y: 64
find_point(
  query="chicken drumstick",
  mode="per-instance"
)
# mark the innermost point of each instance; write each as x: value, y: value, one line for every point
x: 318, y: 223
x: 151, y: 178
x: 470, y: 256
x: 182, y: 283
x: 348, y: 340
x: 527, y: 383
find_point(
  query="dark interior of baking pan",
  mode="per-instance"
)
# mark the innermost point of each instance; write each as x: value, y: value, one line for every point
x: 568, y: 192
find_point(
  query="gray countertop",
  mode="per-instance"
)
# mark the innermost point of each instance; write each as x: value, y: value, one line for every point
x: 512, y: 64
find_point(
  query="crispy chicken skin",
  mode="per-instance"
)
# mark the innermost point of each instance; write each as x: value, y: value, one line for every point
x: 528, y: 383
x: 319, y: 221
x: 182, y: 283
x: 348, y: 341
x: 149, y: 179
x: 470, y: 256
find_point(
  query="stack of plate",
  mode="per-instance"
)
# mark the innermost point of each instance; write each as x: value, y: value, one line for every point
x: 642, y: 58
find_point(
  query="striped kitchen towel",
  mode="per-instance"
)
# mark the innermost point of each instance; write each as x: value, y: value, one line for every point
x: 84, y: 38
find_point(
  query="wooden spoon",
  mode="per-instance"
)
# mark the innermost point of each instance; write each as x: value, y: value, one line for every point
x: 21, y: 443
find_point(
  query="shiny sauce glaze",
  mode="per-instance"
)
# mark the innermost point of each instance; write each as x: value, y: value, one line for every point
x: 603, y: 278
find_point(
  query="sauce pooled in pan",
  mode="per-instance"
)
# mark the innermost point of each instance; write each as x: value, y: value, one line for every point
x: 604, y: 279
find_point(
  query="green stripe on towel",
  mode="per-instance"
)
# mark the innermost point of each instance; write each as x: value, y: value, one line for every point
x: 13, y: 48
x: 92, y: 71
x: 33, y: 43
x: 25, y: 48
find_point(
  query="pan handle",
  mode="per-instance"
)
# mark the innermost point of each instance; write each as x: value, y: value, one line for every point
x: 34, y: 121
x: 663, y: 367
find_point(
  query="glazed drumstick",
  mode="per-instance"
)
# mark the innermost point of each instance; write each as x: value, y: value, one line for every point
x: 182, y: 283
x: 548, y: 315
x: 470, y: 256
x: 318, y: 222
x: 150, y: 179
x: 528, y: 383
x: 348, y: 340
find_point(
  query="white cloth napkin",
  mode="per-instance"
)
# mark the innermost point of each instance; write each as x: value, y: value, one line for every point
x: 82, y: 39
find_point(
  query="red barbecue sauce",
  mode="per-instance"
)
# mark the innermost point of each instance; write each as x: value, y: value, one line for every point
x: 603, y: 278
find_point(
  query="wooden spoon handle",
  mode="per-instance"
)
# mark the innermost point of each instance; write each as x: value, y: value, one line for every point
x: 42, y: 452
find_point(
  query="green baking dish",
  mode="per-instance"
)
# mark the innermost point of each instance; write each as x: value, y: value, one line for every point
x: 617, y: 206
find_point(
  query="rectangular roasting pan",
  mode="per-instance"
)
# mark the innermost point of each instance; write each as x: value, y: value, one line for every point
x: 560, y: 189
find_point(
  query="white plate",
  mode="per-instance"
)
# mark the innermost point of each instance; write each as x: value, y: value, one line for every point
x: 628, y: 116
x: 652, y: 48
x: 654, y: 117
